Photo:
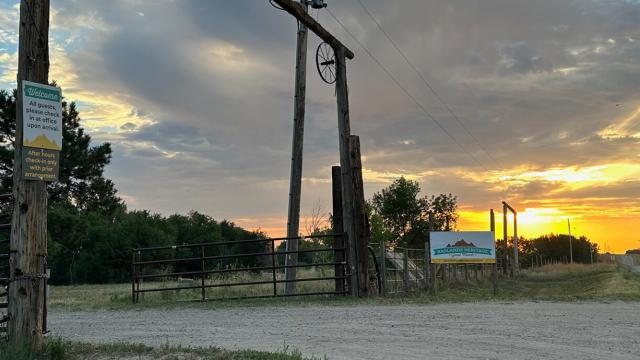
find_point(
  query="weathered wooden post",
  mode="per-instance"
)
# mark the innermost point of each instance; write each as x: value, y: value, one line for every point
x: 516, y: 263
x: 433, y: 267
x: 505, y: 252
x: 29, y: 222
x: 506, y: 207
x: 361, y: 222
x: 494, y: 269
x: 348, y: 198
x: 295, y: 185
x: 425, y: 266
x: 339, y: 255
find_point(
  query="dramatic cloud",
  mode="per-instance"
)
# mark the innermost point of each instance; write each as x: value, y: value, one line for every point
x: 197, y: 99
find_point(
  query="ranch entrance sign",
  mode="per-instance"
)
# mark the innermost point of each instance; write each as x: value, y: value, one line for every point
x: 469, y: 247
x: 42, y: 131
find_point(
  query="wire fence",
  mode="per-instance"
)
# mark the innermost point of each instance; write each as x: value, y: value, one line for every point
x: 406, y: 270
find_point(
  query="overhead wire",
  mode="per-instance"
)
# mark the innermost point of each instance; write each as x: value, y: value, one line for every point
x: 426, y: 82
x: 406, y: 92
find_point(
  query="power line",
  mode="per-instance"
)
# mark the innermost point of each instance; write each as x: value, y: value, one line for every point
x: 424, y: 110
x: 431, y: 88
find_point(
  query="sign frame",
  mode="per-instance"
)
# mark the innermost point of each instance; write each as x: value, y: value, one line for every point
x: 42, y: 125
x: 450, y: 247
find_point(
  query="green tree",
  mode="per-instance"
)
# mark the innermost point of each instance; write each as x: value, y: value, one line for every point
x: 444, y: 208
x: 399, y: 216
x: 402, y: 212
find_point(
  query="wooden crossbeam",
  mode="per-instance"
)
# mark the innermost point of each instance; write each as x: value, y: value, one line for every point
x: 297, y: 10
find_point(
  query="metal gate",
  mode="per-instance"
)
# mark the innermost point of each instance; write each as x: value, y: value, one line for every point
x: 216, y: 271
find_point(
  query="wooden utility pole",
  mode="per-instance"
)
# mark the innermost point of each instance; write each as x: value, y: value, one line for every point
x: 29, y: 221
x: 350, y: 179
x: 295, y: 185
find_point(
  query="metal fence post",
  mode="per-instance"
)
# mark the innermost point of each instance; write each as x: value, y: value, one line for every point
x: 202, y: 272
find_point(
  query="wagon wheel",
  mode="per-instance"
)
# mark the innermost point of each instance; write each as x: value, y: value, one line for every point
x: 326, y: 63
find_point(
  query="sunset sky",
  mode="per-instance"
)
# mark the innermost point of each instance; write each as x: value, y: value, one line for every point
x: 197, y: 98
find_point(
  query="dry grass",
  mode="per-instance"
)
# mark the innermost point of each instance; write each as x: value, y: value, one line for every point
x: 118, y: 296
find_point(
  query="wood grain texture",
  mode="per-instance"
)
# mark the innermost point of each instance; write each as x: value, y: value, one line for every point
x: 29, y: 222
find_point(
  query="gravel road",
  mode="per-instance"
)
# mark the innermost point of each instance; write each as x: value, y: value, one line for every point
x: 536, y: 330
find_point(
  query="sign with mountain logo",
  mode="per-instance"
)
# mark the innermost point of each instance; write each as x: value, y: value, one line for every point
x: 471, y: 247
x: 41, y: 131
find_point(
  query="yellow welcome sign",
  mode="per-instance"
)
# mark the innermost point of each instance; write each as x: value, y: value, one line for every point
x: 42, y: 116
x: 41, y: 131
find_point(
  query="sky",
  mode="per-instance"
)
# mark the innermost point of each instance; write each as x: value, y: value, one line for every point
x: 533, y: 102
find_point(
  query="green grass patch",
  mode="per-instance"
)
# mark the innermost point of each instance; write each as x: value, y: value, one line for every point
x: 56, y: 349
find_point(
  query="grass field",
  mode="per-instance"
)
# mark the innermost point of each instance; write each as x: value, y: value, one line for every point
x: 552, y: 283
x: 63, y: 350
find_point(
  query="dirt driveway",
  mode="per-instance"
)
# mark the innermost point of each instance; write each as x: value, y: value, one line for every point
x: 446, y: 331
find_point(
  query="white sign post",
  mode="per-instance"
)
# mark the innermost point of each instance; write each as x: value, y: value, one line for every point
x: 468, y: 247
x: 42, y: 131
